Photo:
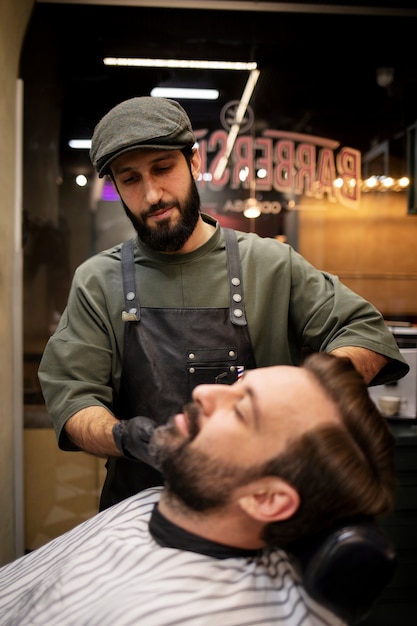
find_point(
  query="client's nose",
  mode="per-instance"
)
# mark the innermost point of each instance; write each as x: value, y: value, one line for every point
x: 212, y: 397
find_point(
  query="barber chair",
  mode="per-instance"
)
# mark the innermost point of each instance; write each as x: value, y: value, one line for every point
x: 347, y: 568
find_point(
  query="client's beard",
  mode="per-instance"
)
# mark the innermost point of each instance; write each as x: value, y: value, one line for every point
x: 164, y: 237
x: 192, y: 477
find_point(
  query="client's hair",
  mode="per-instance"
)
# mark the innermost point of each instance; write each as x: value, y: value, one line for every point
x: 339, y: 471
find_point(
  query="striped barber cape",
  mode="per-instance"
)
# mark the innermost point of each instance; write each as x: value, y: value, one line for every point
x: 109, y: 571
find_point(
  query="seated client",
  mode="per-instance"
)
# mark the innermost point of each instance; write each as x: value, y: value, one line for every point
x: 282, y: 454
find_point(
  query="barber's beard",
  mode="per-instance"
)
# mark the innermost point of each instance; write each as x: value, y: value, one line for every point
x: 165, y: 237
x: 193, y: 478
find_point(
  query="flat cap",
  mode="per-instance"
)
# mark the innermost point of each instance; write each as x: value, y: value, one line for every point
x: 143, y: 122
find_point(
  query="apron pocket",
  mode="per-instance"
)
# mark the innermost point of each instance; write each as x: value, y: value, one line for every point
x: 212, y: 365
x: 206, y: 375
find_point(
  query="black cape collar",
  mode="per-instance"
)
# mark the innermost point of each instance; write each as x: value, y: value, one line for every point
x: 168, y: 535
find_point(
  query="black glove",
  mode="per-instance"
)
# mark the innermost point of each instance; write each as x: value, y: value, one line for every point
x: 132, y: 438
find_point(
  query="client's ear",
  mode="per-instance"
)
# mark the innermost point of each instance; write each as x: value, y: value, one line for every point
x: 270, y: 499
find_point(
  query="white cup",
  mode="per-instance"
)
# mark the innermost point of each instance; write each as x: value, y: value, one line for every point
x: 389, y: 405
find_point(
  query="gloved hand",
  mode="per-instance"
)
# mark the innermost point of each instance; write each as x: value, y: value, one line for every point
x: 132, y: 438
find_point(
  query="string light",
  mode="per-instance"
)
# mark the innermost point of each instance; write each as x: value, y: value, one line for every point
x: 375, y: 183
x: 383, y: 183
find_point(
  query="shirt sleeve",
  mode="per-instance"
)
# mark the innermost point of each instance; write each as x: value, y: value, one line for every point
x: 293, y: 308
x: 79, y: 367
x: 332, y: 316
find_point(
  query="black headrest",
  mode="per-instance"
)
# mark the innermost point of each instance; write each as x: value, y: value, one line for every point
x: 347, y: 568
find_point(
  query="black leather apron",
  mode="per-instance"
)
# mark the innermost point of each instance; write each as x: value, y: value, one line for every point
x: 167, y: 352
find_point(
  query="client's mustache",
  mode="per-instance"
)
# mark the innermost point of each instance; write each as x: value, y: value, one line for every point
x: 159, y: 444
x: 192, y: 411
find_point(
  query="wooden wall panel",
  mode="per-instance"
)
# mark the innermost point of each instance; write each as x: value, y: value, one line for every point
x: 373, y: 249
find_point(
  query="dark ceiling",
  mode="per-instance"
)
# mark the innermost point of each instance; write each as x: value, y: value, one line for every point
x: 318, y: 69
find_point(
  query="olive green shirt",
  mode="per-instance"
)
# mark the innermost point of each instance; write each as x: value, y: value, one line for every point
x: 290, y: 305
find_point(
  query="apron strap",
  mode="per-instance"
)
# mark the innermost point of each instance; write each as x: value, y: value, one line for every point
x: 132, y: 308
x: 237, y: 305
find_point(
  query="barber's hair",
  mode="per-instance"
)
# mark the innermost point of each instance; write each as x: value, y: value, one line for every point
x: 188, y: 152
x: 340, y: 471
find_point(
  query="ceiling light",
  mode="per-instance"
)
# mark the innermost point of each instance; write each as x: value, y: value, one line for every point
x: 190, y: 94
x: 181, y: 64
x: 80, y: 144
x: 235, y: 127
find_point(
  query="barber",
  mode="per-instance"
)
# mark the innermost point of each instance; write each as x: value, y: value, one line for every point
x: 186, y: 302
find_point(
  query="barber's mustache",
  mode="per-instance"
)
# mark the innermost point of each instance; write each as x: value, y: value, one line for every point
x: 161, y: 206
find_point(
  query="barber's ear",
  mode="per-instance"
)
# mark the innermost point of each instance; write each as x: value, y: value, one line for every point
x: 270, y: 499
x: 195, y: 164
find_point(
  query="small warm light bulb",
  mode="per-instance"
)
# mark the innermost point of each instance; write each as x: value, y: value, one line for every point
x: 243, y: 173
x: 81, y: 180
x: 371, y: 182
x: 252, y: 208
x: 252, y: 211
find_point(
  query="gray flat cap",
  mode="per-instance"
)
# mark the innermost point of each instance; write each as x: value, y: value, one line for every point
x: 143, y: 122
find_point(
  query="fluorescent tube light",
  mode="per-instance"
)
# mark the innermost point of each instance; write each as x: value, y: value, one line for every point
x: 181, y: 64
x: 80, y: 144
x: 235, y: 127
x: 191, y: 94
